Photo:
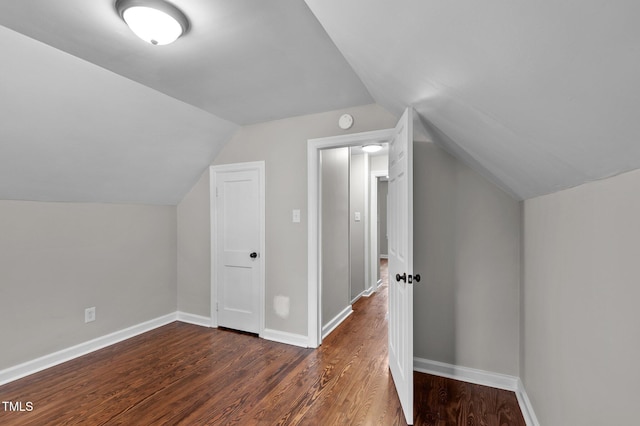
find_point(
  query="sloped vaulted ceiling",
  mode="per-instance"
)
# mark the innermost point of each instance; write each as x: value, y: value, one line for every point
x: 92, y: 113
x: 72, y: 131
x: 539, y: 96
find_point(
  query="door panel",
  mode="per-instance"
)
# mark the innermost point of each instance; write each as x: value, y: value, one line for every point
x: 237, y: 290
x: 400, y: 231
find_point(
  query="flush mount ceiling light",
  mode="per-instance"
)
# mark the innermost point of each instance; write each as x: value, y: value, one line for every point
x: 373, y: 147
x: 155, y: 21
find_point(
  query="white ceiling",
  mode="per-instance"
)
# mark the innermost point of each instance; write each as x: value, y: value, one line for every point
x: 246, y: 61
x: 95, y: 114
x: 536, y: 96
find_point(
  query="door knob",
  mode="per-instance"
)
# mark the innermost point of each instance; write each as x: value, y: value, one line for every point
x: 402, y: 277
x: 253, y: 255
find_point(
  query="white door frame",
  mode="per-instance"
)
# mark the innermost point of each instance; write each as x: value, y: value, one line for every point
x: 373, y: 229
x: 236, y: 167
x: 314, y: 240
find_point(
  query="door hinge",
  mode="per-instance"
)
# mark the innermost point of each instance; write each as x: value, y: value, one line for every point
x: 216, y: 192
x: 217, y: 306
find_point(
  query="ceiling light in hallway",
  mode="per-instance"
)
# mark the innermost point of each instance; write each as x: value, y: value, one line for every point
x: 374, y: 147
x: 155, y: 21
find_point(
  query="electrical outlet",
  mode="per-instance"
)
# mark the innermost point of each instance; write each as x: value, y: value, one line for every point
x: 90, y: 314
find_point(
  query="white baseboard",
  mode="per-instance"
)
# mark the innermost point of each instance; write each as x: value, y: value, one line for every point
x: 21, y: 370
x: 194, y: 319
x: 365, y: 293
x: 286, y: 338
x: 525, y: 406
x: 355, y: 299
x: 384, y: 256
x: 267, y: 334
x: 481, y: 377
x: 376, y: 286
x: 466, y: 374
x: 30, y: 367
x: 336, y: 321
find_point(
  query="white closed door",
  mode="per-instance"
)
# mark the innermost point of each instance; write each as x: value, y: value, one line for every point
x: 400, y: 231
x: 237, y: 236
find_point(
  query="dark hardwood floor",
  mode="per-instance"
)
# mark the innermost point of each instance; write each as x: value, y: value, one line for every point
x: 440, y: 401
x: 191, y: 375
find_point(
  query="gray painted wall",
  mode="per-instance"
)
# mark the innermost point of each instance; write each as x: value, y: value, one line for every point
x: 466, y: 248
x: 56, y: 259
x: 357, y: 203
x: 194, y: 250
x: 378, y: 162
x: 467, y: 239
x: 581, y: 292
x: 282, y: 144
x: 334, y: 175
x: 383, y: 240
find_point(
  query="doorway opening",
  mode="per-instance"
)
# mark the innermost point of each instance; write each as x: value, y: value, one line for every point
x: 351, y: 217
x: 379, y: 184
x: 400, y: 306
x: 315, y: 241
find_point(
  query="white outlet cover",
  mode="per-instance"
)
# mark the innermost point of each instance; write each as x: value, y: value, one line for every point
x: 90, y: 314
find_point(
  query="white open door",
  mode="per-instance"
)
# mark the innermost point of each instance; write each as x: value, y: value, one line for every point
x: 400, y: 231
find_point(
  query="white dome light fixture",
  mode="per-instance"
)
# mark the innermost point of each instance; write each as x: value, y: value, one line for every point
x: 373, y: 147
x: 155, y: 21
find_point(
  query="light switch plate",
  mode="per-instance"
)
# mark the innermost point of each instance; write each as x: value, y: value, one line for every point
x: 357, y: 216
x: 296, y: 216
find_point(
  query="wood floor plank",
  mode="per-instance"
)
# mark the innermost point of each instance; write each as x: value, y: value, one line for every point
x: 182, y: 374
x: 445, y: 402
